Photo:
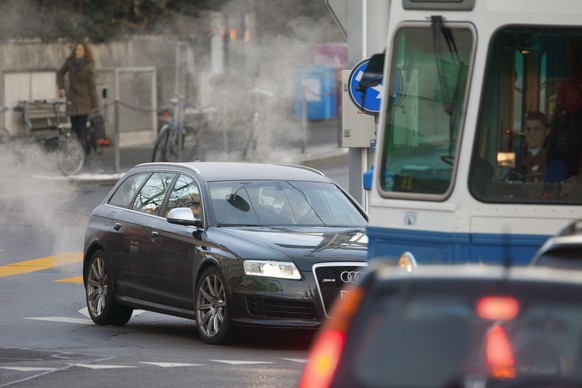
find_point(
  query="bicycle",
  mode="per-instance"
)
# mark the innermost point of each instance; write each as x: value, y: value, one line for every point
x: 177, y: 141
x: 261, y: 100
x: 47, y: 127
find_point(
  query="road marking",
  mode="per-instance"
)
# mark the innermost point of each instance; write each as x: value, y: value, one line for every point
x: 74, y: 279
x: 234, y: 362
x: 85, y: 311
x: 300, y: 360
x: 27, y: 369
x: 40, y: 264
x: 168, y: 364
x: 63, y: 319
x: 94, y: 366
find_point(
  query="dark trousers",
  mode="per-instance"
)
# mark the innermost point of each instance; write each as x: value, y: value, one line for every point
x: 79, y: 125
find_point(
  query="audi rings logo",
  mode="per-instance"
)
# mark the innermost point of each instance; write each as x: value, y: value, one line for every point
x: 351, y: 276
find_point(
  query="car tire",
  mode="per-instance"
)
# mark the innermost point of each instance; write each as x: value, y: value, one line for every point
x: 212, y: 308
x: 100, y: 294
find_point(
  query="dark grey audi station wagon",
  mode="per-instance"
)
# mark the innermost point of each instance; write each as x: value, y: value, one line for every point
x: 233, y: 246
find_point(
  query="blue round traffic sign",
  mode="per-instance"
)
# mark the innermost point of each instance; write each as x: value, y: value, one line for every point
x: 373, y: 99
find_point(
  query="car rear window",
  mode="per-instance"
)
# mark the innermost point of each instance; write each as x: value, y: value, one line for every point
x: 562, y: 257
x: 437, y: 336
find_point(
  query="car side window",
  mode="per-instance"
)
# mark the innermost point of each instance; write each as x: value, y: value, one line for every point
x: 185, y: 193
x: 151, y: 196
x: 124, y: 194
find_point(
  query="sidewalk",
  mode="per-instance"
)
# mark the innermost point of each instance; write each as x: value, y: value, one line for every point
x: 321, y: 147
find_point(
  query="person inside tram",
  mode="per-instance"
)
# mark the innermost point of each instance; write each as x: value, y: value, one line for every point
x: 532, y: 163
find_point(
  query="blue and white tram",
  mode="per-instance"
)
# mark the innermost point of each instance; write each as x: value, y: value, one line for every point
x: 450, y: 182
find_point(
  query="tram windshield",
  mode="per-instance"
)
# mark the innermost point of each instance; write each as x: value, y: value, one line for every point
x: 528, y: 144
x: 429, y: 66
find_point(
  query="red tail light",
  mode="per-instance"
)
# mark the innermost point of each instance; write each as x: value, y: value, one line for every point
x: 499, y: 354
x: 328, y: 347
x: 498, y: 308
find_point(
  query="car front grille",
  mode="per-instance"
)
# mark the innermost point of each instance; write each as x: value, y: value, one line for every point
x: 280, y: 308
x: 332, y: 277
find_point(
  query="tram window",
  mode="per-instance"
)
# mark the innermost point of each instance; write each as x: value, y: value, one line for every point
x: 531, y: 72
x: 427, y: 89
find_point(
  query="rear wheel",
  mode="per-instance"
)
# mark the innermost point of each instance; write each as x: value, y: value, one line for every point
x: 189, y: 144
x: 4, y: 135
x: 100, y: 294
x: 70, y: 156
x: 159, y: 154
x: 212, y: 308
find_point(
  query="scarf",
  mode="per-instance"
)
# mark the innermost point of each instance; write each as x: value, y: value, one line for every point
x: 78, y: 62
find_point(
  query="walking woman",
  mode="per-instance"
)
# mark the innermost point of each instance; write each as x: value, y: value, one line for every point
x: 82, y: 93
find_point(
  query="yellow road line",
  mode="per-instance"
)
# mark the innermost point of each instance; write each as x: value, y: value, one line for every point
x: 40, y: 264
x: 74, y: 279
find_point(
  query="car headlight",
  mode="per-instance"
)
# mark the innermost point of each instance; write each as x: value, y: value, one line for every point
x: 272, y: 269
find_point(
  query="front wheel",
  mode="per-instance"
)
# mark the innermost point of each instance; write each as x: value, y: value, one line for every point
x: 212, y: 308
x: 100, y: 294
x: 71, y: 156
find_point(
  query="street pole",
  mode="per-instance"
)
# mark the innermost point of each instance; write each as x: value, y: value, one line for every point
x: 116, y: 133
x: 303, y: 117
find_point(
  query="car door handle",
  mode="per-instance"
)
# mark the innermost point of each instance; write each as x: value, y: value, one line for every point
x: 154, y: 236
x: 117, y: 226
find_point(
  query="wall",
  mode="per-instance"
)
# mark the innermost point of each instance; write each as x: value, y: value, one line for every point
x: 173, y: 60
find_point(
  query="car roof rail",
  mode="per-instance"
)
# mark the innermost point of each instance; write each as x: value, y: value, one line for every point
x: 575, y: 227
x: 315, y: 170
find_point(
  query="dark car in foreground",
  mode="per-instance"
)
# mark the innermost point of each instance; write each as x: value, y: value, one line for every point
x: 230, y: 245
x: 453, y: 326
x: 563, y: 250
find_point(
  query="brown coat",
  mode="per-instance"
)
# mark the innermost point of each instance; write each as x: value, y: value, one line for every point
x: 82, y: 92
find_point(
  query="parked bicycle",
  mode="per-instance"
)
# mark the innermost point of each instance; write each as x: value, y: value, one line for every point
x: 261, y: 100
x: 46, y: 126
x: 178, y: 139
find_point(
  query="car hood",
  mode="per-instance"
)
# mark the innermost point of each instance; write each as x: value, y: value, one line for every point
x: 305, y: 246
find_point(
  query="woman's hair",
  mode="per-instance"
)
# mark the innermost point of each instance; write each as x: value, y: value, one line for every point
x: 88, y: 51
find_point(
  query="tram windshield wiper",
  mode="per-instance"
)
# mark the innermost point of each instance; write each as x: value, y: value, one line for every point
x: 450, y: 105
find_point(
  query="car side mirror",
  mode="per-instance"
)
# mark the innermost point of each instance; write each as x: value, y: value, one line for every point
x: 183, y: 216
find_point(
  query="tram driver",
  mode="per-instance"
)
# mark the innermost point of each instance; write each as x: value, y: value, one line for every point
x: 532, y: 164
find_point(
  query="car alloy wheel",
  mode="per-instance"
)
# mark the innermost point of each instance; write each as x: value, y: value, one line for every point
x: 212, y: 315
x: 100, y: 296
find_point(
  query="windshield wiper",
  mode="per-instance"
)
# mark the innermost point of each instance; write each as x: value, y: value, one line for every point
x: 450, y: 105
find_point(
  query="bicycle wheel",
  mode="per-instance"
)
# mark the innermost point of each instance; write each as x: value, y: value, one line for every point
x: 252, y: 139
x: 189, y: 144
x: 172, y: 152
x: 70, y: 156
x: 159, y: 154
x: 4, y: 135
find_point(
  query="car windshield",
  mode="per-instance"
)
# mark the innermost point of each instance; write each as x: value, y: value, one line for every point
x: 282, y: 203
x: 433, y: 337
